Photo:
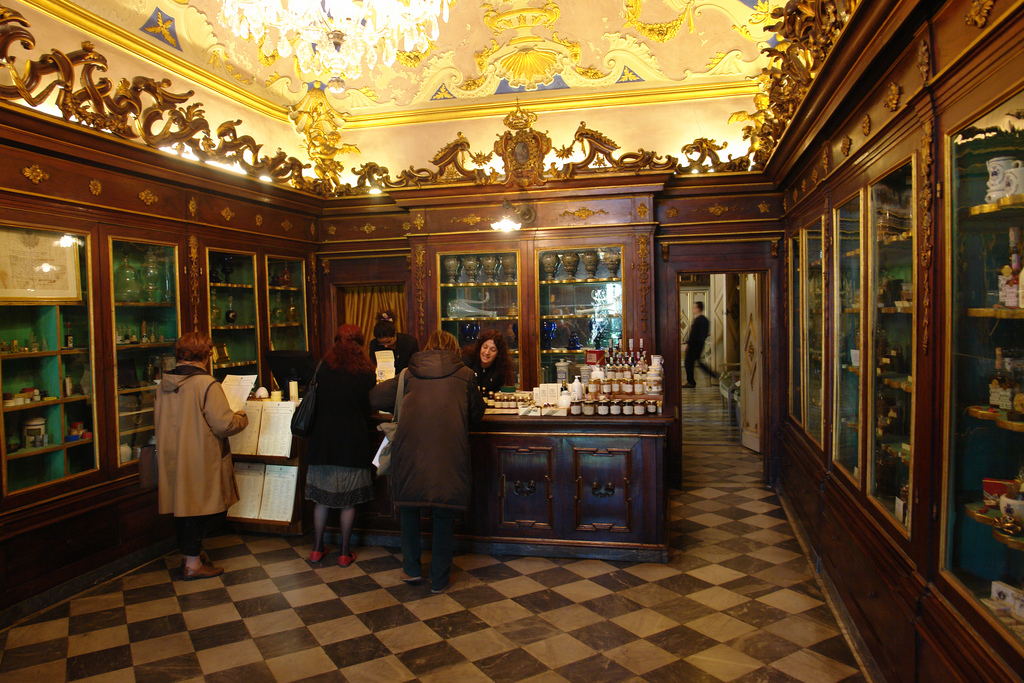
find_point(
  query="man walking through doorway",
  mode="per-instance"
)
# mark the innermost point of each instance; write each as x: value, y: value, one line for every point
x: 699, y: 330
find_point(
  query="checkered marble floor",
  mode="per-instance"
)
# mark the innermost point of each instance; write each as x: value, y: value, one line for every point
x: 736, y: 602
x: 704, y: 417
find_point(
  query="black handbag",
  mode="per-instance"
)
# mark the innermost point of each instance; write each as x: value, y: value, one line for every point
x: 302, y: 419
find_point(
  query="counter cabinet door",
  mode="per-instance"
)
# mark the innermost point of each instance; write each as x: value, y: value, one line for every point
x: 523, y: 480
x: 606, y: 474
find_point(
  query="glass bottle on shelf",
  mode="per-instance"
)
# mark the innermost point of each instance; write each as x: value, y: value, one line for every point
x: 151, y: 276
x: 235, y: 335
x: 231, y: 315
x: 847, y: 382
x: 126, y: 281
x: 287, y: 327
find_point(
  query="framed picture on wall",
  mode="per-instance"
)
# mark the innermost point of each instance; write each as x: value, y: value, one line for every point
x: 39, y: 265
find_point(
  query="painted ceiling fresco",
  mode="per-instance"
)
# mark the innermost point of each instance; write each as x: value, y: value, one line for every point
x: 681, y: 65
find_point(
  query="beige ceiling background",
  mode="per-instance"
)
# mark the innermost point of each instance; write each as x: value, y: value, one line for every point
x: 651, y: 74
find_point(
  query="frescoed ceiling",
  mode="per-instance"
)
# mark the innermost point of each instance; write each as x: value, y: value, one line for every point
x: 651, y: 74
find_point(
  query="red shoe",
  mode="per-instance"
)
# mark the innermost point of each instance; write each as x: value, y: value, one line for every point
x: 346, y: 560
x: 314, y: 556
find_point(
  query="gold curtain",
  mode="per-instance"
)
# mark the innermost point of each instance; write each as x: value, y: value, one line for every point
x: 362, y: 304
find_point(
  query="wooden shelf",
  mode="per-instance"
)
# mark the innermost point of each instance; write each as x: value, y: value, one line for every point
x: 1011, y: 203
x: 233, y: 364
x: 582, y: 281
x: 135, y: 412
x: 564, y: 351
x: 904, y: 382
x: 29, y: 452
x: 136, y: 430
x: 476, y: 285
x: 581, y: 316
x: 1001, y: 313
x: 904, y: 310
x: 40, y: 404
x: 851, y: 311
x: 285, y: 325
x: 230, y: 285
x: 29, y: 354
x: 997, y: 416
x: 480, y: 318
x: 283, y: 288
x: 232, y: 327
x: 145, y: 304
x: 147, y: 345
x: 989, y: 517
x: 855, y: 369
x: 136, y: 390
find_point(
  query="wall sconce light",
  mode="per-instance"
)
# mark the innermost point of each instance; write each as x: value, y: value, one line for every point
x: 514, y: 217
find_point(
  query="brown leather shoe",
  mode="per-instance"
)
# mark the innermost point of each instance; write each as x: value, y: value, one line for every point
x: 205, y: 571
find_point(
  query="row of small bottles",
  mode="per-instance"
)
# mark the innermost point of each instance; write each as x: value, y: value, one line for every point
x: 1009, y: 282
x: 1004, y: 387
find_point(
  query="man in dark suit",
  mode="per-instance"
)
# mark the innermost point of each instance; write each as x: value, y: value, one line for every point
x: 699, y: 330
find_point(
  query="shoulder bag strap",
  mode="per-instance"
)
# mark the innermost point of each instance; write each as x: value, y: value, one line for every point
x: 312, y: 382
x: 401, y: 392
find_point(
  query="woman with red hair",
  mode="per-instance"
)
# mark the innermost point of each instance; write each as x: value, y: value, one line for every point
x: 338, y: 454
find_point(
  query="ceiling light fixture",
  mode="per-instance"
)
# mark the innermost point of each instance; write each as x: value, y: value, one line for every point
x: 336, y: 38
x: 514, y: 217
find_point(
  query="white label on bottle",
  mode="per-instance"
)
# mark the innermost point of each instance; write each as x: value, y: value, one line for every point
x: 1002, y: 289
x: 993, y: 394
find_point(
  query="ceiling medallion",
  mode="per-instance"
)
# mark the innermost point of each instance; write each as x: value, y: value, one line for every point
x: 95, y: 187
x: 148, y: 198
x: 336, y: 38
x: 35, y: 174
x: 892, y: 102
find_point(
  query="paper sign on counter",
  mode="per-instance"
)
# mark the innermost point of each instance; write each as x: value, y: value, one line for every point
x: 276, y: 429
x: 249, y: 476
x: 246, y: 441
x: 385, y: 364
x: 279, y: 493
x: 237, y: 389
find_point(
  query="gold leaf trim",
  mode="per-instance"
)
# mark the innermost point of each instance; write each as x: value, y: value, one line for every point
x: 193, y: 278
x: 227, y: 213
x: 673, y: 212
x: 845, y: 146
x: 924, y: 60
x: 259, y: 220
x: 368, y: 228
x: 977, y: 16
x: 95, y: 187
x: 419, y: 272
x: 148, y: 198
x: 35, y: 174
x: 865, y: 125
x: 193, y: 206
x: 333, y: 229
x: 471, y: 219
x: 643, y: 252
x: 642, y: 210
x: 583, y: 213
x: 287, y: 225
x: 892, y: 102
x: 763, y: 207
x: 326, y: 263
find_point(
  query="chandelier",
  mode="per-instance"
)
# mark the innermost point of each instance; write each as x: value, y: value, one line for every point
x: 335, y: 39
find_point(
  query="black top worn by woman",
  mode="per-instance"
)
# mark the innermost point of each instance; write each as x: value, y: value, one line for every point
x: 405, y: 346
x: 488, y: 379
x: 341, y: 422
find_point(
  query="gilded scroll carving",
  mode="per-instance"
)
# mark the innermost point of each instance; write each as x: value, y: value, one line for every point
x: 95, y: 187
x: 807, y: 31
x: 471, y: 220
x: 192, y: 207
x: 193, y: 279
x: 924, y: 60
x: 148, y: 198
x: 892, y: 102
x: 643, y: 267
x: 865, y: 125
x: 845, y: 146
x: 314, y: 294
x: 227, y: 213
x: 924, y: 205
x: 419, y: 255
x: 582, y: 213
x: 977, y: 16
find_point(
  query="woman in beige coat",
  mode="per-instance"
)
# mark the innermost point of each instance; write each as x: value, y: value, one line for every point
x: 196, y: 477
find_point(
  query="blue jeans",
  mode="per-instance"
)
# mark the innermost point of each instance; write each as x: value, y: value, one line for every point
x: 441, y: 546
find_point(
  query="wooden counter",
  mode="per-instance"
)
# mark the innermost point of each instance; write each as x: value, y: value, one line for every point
x: 589, y: 487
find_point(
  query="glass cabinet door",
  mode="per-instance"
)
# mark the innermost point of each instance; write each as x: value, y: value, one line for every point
x: 233, y: 321
x: 814, y: 317
x: 286, y: 297
x: 45, y: 357
x: 479, y: 292
x: 796, y: 279
x: 983, y: 543
x: 846, y: 452
x: 145, y: 324
x: 891, y: 385
x: 580, y: 306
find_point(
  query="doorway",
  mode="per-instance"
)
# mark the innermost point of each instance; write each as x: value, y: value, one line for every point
x: 726, y: 404
x: 360, y: 305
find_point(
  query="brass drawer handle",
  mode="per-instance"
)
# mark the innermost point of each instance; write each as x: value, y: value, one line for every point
x: 522, y: 489
x: 602, y: 491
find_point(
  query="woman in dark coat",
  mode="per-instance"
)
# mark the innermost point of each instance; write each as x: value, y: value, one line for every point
x: 491, y: 362
x: 430, y: 456
x: 339, y: 453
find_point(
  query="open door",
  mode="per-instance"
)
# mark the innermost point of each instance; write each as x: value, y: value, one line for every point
x: 751, y: 361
